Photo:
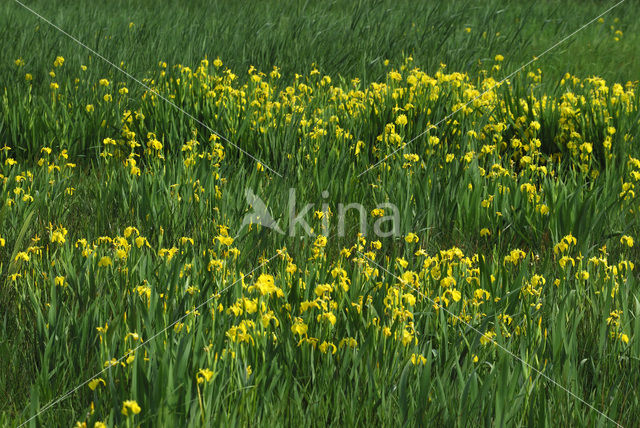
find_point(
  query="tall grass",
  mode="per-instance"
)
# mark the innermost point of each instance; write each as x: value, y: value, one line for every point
x: 121, y: 216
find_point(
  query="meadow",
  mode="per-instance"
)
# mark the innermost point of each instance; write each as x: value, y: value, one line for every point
x: 504, y: 292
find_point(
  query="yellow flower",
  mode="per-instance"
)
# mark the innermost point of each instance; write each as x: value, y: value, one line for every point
x: 58, y: 62
x: 2, y: 241
x: 99, y: 424
x: 129, y: 230
x: 402, y: 262
x: 266, y: 286
x: 54, y: 86
x: 409, y: 298
x: 306, y: 305
x: 406, y: 337
x: 204, y: 375
x: 487, y: 337
x: 299, y: 328
x: 104, y: 329
x: 321, y: 241
x: 58, y: 235
x: 348, y: 341
x: 627, y: 240
x: 130, y: 406
x: 378, y: 212
x: 455, y: 295
x: 329, y: 316
x: 447, y: 282
x: 543, y: 209
x: 186, y: 240
x: 217, y: 63
x: 515, y: 256
x: 411, y: 157
x: 485, y: 232
x: 22, y: 256
x: 322, y: 289
x: 94, y: 383
x: 394, y: 75
x: 28, y: 77
x: 326, y: 346
x: 168, y: 252
x: 19, y: 62
x: 563, y: 261
x: 499, y: 58
x: 155, y: 144
x: 586, y: 147
x: 121, y: 254
x: 225, y: 240
x: 418, y: 359
x: 411, y: 237
x: 105, y: 261
x: 401, y: 120
x: 251, y: 306
x: 59, y: 280
x: 104, y: 82
x: 89, y: 108
x: 584, y: 275
x: 409, y: 277
x: 624, y: 338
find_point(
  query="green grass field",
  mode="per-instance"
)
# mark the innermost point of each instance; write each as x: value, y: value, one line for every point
x: 450, y: 247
